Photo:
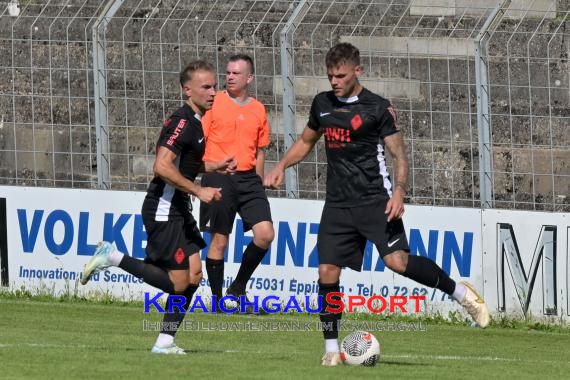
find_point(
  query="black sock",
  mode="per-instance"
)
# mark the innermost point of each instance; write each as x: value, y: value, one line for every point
x: 173, y: 320
x: 215, y: 270
x: 250, y: 261
x: 428, y: 273
x: 329, y: 320
x: 150, y: 274
x: 189, y: 293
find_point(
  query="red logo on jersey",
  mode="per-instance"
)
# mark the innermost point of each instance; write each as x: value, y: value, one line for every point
x: 179, y: 256
x: 166, y: 122
x: 177, y: 130
x: 356, y: 122
x: 335, y: 137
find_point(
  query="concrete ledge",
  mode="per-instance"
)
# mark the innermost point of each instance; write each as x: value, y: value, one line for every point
x: 388, y: 88
x: 432, y: 8
x: 276, y: 122
x: 432, y: 47
x: 518, y: 9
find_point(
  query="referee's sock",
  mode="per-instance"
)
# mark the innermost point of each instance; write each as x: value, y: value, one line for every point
x: 428, y: 273
x: 329, y: 320
x: 173, y: 320
x: 150, y: 274
x: 250, y: 261
x: 215, y: 270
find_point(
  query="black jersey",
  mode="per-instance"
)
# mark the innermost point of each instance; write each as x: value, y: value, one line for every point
x: 182, y: 133
x: 354, y: 131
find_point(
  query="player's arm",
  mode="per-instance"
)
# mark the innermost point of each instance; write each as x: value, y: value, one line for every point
x: 226, y: 166
x: 300, y: 149
x: 260, y: 162
x: 394, y: 143
x: 165, y: 168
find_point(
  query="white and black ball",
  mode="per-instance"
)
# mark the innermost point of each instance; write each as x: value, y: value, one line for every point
x: 360, y: 348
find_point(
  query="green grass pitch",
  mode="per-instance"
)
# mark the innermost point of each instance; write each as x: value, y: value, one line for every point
x: 67, y: 339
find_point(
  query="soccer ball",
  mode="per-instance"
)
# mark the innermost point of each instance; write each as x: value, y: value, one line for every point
x: 360, y: 348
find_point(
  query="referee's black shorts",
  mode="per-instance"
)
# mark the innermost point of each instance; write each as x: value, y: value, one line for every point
x: 343, y: 233
x: 242, y: 193
x: 170, y: 243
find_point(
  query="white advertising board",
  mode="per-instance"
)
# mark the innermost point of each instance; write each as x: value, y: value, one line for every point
x: 51, y: 233
x: 525, y: 263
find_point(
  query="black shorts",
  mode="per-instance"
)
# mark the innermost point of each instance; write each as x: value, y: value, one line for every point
x: 242, y: 193
x: 343, y: 233
x: 170, y: 243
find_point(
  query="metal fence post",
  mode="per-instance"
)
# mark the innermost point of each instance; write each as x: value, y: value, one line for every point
x: 287, y: 74
x: 100, y: 92
x: 483, y: 108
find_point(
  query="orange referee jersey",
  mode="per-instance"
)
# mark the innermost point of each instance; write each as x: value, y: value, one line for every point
x: 234, y: 129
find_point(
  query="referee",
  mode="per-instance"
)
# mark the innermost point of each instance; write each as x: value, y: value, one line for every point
x: 236, y: 126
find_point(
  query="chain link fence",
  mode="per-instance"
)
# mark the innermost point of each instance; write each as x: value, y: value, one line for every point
x: 79, y: 73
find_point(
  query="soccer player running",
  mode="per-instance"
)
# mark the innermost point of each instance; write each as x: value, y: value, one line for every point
x: 236, y: 126
x: 361, y: 202
x: 173, y: 264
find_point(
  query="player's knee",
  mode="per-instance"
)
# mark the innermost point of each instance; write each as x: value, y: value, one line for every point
x: 218, y: 245
x: 265, y: 239
x: 269, y: 235
x: 196, y: 277
x: 180, y: 286
x: 264, y: 235
x: 179, y: 280
x: 396, y: 261
x: 329, y: 274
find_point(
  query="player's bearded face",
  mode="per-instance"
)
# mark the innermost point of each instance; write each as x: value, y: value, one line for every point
x: 202, y: 89
x: 344, y: 79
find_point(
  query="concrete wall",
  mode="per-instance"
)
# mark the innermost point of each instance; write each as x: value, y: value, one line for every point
x: 46, y: 124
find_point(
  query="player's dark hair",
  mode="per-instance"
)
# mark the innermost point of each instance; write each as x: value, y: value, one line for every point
x: 186, y: 74
x: 243, y: 57
x: 343, y: 53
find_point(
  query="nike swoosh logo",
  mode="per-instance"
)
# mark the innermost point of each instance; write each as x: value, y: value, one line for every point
x: 325, y: 113
x: 393, y: 242
x: 200, y: 141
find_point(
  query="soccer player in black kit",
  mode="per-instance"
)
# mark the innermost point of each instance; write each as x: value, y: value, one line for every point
x: 361, y: 201
x: 173, y: 264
